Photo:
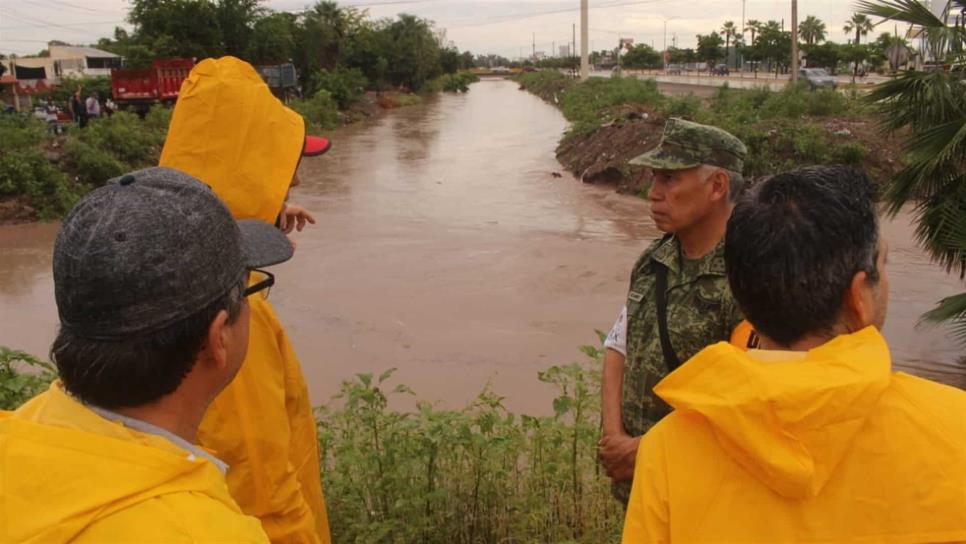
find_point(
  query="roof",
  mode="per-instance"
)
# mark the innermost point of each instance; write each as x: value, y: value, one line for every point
x: 80, y: 51
x: 7, y: 79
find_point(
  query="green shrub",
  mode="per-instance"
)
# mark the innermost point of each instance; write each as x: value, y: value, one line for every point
x: 126, y: 137
x: 826, y: 102
x: 20, y: 131
x: 546, y: 83
x: 93, y: 165
x: 481, y: 474
x: 345, y: 85
x: 849, y: 153
x: 158, y: 119
x: 403, y: 100
x: 17, y: 386
x: 320, y: 111
x: 28, y: 173
x: 683, y: 106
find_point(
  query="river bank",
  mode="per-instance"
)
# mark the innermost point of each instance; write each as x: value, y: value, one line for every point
x: 613, y: 120
x: 43, y: 173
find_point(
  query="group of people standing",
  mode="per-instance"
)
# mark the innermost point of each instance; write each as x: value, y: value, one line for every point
x: 747, y: 391
x: 83, y: 110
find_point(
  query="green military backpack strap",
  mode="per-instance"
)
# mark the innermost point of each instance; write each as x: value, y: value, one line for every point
x: 660, y: 298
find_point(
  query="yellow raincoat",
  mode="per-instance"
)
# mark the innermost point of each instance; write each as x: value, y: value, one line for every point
x: 230, y: 132
x: 67, y: 474
x: 828, y: 446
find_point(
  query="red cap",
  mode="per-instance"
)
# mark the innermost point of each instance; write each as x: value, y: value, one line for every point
x: 315, y: 145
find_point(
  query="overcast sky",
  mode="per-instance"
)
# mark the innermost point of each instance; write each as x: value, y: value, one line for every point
x: 505, y: 27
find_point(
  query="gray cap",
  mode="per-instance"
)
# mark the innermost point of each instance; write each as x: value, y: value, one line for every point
x: 149, y: 249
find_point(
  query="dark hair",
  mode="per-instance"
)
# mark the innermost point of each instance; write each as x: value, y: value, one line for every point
x: 142, y: 368
x: 793, y: 245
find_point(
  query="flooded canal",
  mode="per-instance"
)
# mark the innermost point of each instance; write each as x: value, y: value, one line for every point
x: 446, y: 247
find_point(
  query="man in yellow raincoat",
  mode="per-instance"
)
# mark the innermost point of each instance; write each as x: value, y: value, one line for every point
x: 150, y: 277
x: 231, y: 133
x: 811, y: 438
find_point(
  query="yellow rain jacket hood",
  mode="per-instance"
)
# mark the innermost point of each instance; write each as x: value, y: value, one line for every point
x: 67, y: 474
x: 824, y: 446
x: 230, y: 132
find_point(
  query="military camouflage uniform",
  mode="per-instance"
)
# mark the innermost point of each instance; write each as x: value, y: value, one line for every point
x: 700, y: 308
x: 700, y: 312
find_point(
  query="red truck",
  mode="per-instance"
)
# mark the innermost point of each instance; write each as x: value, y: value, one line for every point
x: 138, y: 89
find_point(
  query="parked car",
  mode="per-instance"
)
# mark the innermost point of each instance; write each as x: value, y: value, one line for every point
x: 720, y: 70
x: 817, y: 78
x: 674, y: 69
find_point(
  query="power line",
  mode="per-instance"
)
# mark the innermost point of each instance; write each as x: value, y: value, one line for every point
x: 531, y: 15
x: 66, y: 4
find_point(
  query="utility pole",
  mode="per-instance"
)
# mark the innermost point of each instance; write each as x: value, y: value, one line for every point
x: 665, y: 47
x: 794, y: 74
x: 584, y: 45
x: 534, y: 56
x: 741, y: 58
x: 573, y: 50
x: 553, y: 49
x: 620, y: 47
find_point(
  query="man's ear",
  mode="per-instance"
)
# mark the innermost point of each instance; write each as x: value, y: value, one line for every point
x: 858, y: 305
x: 216, y: 345
x: 720, y: 184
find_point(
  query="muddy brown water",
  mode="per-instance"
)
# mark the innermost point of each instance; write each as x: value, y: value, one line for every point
x: 445, y: 247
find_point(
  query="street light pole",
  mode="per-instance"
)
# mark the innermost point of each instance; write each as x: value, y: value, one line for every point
x: 584, y: 45
x: 794, y: 74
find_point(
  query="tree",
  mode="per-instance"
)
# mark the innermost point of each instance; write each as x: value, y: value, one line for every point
x: 773, y: 45
x: 236, y: 20
x: 860, y: 24
x: 729, y: 30
x: 273, y: 38
x: 414, y: 58
x: 812, y: 30
x: 642, y: 56
x: 709, y: 48
x: 449, y: 60
x: 753, y: 26
x: 932, y: 106
x: 827, y: 55
x: 177, y: 28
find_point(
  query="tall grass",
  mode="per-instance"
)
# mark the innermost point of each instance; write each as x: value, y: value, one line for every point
x: 477, y: 475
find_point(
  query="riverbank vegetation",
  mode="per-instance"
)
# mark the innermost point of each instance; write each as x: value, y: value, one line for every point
x: 614, y: 119
x: 478, y: 475
x: 42, y: 173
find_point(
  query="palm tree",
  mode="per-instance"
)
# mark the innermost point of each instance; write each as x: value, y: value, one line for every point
x: 753, y: 26
x: 812, y: 30
x: 729, y: 30
x: 932, y: 106
x: 860, y: 24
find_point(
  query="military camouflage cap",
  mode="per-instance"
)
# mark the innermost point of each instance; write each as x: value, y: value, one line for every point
x: 686, y: 145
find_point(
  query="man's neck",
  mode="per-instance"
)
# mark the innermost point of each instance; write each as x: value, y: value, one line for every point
x: 701, y: 238
x: 805, y: 343
x: 173, y: 413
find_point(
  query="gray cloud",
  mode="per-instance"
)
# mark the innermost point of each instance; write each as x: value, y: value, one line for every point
x: 506, y: 27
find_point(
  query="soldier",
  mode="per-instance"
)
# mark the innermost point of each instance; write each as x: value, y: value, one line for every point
x: 679, y: 300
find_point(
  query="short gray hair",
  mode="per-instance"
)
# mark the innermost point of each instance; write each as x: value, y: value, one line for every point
x: 735, y: 186
x: 736, y: 181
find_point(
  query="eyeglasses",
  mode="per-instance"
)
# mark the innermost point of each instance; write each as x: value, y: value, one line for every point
x: 261, y: 281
